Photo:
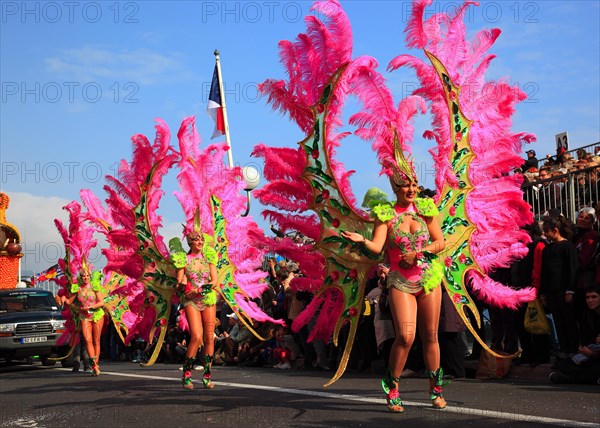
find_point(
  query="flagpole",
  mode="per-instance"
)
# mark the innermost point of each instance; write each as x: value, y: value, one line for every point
x: 223, y: 106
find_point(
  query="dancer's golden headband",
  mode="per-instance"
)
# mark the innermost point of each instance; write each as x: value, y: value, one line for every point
x: 196, y: 230
x: 403, y: 171
x: 85, y: 267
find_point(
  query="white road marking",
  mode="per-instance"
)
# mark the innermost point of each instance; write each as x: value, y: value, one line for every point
x: 453, y: 409
x: 25, y: 423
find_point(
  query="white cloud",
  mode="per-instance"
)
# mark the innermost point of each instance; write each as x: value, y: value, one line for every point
x: 33, y: 216
x: 142, y: 66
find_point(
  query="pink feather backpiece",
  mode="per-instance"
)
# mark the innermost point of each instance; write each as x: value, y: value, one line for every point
x: 497, y: 152
x: 79, y: 240
x: 203, y: 175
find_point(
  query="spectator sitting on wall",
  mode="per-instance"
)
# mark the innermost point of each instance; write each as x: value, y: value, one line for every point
x: 234, y: 339
x: 584, y: 367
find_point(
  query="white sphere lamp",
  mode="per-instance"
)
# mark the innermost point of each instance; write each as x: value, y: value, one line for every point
x: 251, y: 177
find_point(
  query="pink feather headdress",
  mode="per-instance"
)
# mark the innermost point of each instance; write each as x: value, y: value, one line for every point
x: 78, y: 239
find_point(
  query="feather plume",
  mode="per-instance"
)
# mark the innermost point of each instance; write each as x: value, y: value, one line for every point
x: 415, y: 33
x: 78, y: 239
x: 281, y: 163
x: 307, y: 225
x: 283, y: 194
x: 499, y: 295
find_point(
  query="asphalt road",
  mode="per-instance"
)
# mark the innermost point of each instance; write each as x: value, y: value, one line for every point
x: 127, y: 395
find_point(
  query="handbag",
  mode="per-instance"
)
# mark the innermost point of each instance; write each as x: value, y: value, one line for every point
x: 535, y: 318
x: 492, y: 367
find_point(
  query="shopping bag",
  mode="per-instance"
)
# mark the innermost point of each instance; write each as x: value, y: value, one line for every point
x: 492, y: 367
x: 535, y: 318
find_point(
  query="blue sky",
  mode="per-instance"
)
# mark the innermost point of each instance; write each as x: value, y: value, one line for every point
x: 80, y: 78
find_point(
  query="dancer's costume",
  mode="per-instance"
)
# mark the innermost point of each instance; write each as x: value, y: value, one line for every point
x: 142, y: 271
x: 79, y: 240
x: 480, y: 204
x: 426, y: 273
x: 210, y: 195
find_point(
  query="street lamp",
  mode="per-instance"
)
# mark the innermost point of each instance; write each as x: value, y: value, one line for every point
x: 252, y: 178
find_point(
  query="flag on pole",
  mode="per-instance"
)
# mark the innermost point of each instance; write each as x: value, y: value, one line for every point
x: 50, y: 274
x: 215, y: 106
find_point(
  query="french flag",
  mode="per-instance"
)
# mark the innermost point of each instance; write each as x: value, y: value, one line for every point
x: 215, y: 106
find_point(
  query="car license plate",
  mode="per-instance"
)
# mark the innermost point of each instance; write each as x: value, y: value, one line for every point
x: 34, y: 339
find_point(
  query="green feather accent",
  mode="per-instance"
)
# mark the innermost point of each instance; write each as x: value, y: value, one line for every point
x: 208, y: 239
x: 426, y: 207
x: 96, y: 281
x: 209, y: 252
x: 75, y: 287
x: 178, y: 254
x: 210, y: 299
x: 179, y: 259
x: 98, y: 315
x: 384, y: 212
x: 432, y: 276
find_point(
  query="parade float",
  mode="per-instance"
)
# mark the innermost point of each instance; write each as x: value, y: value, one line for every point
x: 10, y: 248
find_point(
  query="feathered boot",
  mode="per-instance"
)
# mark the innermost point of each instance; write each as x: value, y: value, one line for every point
x: 390, y: 386
x: 435, y: 387
x: 206, y: 379
x: 186, y: 377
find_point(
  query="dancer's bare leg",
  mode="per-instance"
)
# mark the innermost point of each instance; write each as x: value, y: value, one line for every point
x: 404, y: 315
x: 194, y: 319
x: 429, y: 306
x: 86, y: 330
x: 96, y: 335
x: 208, y: 322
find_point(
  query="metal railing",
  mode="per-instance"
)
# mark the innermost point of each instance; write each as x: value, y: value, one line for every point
x: 566, y: 193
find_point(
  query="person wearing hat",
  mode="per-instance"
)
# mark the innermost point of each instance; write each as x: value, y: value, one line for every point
x: 235, y: 339
x: 531, y: 161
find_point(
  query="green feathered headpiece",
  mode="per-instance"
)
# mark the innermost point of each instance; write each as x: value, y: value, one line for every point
x: 373, y: 197
x: 377, y: 201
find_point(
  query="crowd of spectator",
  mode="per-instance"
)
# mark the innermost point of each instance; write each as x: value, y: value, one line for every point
x: 562, y: 182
